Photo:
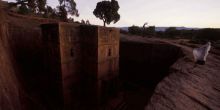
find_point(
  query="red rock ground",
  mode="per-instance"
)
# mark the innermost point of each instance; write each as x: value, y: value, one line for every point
x: 188, y: 86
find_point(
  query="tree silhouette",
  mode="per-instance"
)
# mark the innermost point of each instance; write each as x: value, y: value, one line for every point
x: 32, y: 6
x: 23, y: 9
x: 50, y: 13
x: 172, y: 32
x: 135, y: 30
x: 62, y: 13
x: 39, y: 7
x: 83, y: 22
x: 144, y: 29
x: 67, y: 7
x: 87, y: 22
x: 107, y: 11
x: 41, y: 4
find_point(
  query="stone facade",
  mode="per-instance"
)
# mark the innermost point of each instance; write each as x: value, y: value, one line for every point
x: 83, y: 60
x: 100, y: 62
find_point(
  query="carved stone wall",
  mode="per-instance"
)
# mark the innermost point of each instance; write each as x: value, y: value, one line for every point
x: 70, y: 51
x: 108, y: 52
x: 100, y: 62
x: 86, y: 60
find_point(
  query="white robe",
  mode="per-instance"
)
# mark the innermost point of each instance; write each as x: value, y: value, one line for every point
x: 201, y: 53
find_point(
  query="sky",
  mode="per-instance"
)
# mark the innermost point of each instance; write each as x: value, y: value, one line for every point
x: 177, y: 13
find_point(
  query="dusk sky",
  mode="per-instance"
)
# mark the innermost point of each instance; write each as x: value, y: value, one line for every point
x: 188, y: 13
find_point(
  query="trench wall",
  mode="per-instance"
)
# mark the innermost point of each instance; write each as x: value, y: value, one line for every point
x: 28, y: 50
x: 146, y: 63
x: 9, y: 87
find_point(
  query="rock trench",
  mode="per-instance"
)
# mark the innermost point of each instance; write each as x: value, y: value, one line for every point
x: 142, y: 67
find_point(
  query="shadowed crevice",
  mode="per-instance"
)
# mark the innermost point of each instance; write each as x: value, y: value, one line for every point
x: 142, y: 67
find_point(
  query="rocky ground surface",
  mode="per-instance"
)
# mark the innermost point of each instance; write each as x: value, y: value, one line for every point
x: 188, y: 86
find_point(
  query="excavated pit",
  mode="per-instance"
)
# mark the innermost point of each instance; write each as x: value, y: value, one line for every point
x: 142, y: 67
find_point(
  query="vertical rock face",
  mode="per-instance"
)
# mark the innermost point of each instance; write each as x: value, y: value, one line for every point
x: 25, y: 41
x: 142, y: 66
x: 9, y: 91
x: 146, y: 63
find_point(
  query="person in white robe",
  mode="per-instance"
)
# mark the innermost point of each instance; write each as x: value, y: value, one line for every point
x: 200, y: 54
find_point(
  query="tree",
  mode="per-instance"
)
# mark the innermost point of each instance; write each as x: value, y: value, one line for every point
x: 23, y: 9
x: 41, y: 5
x: 50, y: 13
x: 32, y: 5
x: 207, y: 34
x: 62, y: 13
x: 151, y: 30
x: 83, y: 22
x: 87, y: 22
x: 67, y: 7
x: 144, y: 29
x: 135, y: 30
x: 172, y: 32
x: 107, y: 11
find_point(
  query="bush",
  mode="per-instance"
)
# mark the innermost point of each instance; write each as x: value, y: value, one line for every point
x: 123, y: 31
x: 142, y: 31
x: 172, y: 32
x: 208, y: 34
x: 23, y: 9
x: 135, y: 30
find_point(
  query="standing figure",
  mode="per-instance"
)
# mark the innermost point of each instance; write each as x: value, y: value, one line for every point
x: 200, y: 54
